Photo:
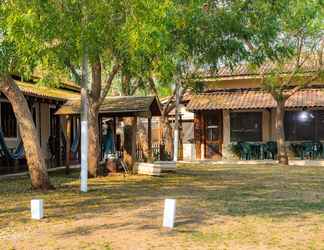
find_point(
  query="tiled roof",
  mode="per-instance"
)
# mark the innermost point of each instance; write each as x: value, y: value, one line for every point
x: 253, y: 99
x: 246, y: 70
x: 46, y: 92
x: 117, y: 105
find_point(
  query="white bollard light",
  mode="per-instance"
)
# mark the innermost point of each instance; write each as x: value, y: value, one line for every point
x: 37, y: 209
x: 169, y: 213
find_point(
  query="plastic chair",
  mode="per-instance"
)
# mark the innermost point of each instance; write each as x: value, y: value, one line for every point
x: 308, y: 150
x: 272, y: 149
x: 317, y: 149
x: 245, y: 150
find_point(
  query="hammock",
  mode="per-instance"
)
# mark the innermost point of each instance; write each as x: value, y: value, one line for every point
x: 108, y: 143
x: 18, y: 153
x: 75, y: 142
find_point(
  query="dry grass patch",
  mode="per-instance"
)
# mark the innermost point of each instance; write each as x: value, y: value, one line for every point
x: 218, y: 207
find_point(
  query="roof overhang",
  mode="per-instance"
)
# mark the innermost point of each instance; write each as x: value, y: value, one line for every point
x: 35, y: 90
x: 254, y: 99
x: 119, y: 106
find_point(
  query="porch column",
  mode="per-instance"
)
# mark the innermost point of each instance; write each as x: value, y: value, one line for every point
x: 198, y: 134
x: 203, y: 137
x: 226, y: 152
x: 115, y: 133
x: 266, y: 126
x: 68, y: 144
x: 149, y: 139
x: 100, y: 137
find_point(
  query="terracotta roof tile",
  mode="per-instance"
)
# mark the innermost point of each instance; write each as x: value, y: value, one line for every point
x: 244, y: 70
x: 253, y: 99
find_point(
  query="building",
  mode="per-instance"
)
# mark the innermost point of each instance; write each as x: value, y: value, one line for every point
x: 43, y: 102
x: 234, y: 108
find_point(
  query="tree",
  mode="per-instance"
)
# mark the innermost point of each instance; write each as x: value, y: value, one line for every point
x: 302, y: 35
x: 206, y: 35
x: 14, y: 59
x: 111, y: 32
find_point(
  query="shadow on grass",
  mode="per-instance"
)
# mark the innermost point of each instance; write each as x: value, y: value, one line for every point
x: 202, y: 192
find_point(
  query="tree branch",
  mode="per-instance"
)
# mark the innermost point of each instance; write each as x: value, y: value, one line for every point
x: 73, y: 70
x: 136, y: 86
x: 108, y: 82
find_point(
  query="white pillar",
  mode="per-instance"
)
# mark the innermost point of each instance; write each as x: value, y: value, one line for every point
x: 169, y: 213
x: 37, y: 209
x: 84, y: 124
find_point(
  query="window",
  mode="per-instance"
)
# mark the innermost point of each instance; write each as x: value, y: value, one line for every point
x: 8, y: 120
x: 304, y: 125
x: 246, y: 126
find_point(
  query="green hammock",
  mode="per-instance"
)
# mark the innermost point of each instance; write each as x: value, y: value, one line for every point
x: 17, y: 154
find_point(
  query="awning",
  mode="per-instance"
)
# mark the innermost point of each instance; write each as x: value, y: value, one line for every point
x: 254, y: 99
x: 118, y: 106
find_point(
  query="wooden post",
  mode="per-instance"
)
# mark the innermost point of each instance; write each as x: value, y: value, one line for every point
x: 149, y: 138
x: 180, y: 138
x: 203, y: 136
x: 197, y: 134
x: 115, y: 133
x: 100, y: 138
x: 68, y: 144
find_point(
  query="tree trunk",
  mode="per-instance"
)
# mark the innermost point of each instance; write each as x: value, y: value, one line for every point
x: 93, y: 137
x: 130, y: 141
x: 167, y: 135
x: 280, y: 133
x: 143, y: 141
x: 34, y: 155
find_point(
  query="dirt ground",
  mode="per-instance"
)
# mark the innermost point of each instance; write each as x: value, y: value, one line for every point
x: 218, y: 207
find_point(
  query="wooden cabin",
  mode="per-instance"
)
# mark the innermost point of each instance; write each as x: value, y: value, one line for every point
x: 118, y: 108
x: 43, y: 102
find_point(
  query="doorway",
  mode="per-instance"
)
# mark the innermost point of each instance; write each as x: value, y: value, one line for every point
x: 213, y: 135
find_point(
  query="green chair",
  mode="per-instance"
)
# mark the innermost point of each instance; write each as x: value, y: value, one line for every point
x: 307, y: 150
x: 317, y: 149
x: 272, y: 150
x: 245, y: 150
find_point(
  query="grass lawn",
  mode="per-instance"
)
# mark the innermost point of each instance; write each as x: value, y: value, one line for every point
x: 218, y: 207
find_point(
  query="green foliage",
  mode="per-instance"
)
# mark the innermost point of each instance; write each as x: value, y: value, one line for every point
x: 301, y: 35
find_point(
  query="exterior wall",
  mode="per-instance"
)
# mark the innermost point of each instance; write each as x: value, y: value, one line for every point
x: 266, y: 133
x: 273, y: 125
x: 226, y: 149
x: 234, y: 84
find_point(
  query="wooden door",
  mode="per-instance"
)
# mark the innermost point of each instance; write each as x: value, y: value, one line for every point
x: 213, y: 135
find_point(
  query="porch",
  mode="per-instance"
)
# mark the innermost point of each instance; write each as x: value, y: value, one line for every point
x: 227, y: 121
x: 124, y: 136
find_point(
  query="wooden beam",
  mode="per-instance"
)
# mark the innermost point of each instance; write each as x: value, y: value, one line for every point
x: 197, y: 134
x: 115, y: 131
x: 149, y: 139
x: 68, y: 144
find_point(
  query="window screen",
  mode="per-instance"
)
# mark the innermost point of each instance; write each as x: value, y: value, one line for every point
x: 246, y: 126
x: 304, y: 125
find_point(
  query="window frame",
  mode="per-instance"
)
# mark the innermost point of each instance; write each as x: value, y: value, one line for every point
x: 316, y: 125
x: 260, y: 132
